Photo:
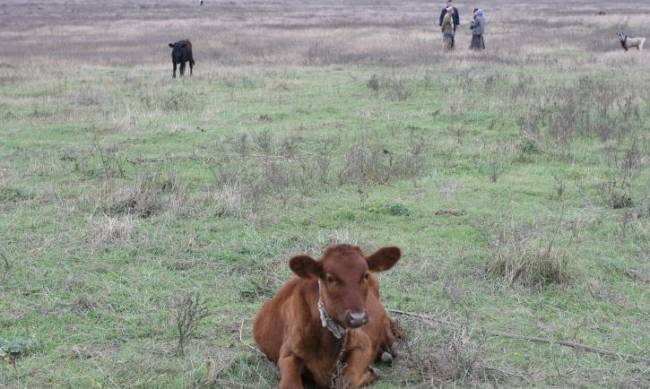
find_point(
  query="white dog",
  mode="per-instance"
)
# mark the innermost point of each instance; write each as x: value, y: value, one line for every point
x: 628, y: 42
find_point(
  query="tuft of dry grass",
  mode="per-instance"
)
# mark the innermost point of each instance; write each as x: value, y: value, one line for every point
x: 142, y: 199
x: 112, y: 229
x: 459, y: 359
x: 228, y: 200
x: 147, y: 196
x: 527, y: 256
x: 398, y: 89
x: 366, y: 163
x: 85, y: 303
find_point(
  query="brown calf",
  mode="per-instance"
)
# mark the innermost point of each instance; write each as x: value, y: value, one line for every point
x: 328, y: 318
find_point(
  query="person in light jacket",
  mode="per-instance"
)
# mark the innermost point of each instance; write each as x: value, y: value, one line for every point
x: 447, y: 28
x: 478, y: 29
x: 455, y: 17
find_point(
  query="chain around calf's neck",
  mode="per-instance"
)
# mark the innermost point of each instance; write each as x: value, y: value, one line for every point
x: 326, y: 320
x: 340, y: 333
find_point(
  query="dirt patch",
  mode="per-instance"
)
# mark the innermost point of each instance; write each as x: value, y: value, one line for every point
x: 450, y: 212
x: 85, y: 303
x: 640, y: 275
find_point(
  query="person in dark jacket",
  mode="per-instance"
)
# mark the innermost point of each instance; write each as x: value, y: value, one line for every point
x: 455, y: 16
x: 478, y: 29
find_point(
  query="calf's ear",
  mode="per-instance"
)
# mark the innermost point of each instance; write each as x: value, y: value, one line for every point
x: 306, y: 267
x: 383, y: 259
x: 171, y: 45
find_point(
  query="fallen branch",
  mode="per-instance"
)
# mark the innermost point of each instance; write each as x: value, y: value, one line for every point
x: 422, y: 316
x: 270, y: 156
x: 577, y: 346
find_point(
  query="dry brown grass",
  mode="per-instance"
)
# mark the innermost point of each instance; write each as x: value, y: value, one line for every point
x: 109, y: 230
x: 293, y: 32
x: 524, y: 255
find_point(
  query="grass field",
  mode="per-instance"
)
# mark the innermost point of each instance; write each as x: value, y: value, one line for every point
x: 516, y: 181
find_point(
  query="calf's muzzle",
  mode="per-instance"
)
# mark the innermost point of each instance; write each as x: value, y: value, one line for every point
x: 356, y: 319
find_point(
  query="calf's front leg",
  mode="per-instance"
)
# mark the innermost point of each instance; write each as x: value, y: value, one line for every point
x: 290, y: 372
x: 358, y: 373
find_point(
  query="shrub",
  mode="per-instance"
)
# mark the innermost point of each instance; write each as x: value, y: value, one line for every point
x: 616, y: 190
x: 12, y: 195
x: 18, y: 347
x: 591, y: 107
x: 373, y: 83
x: 264, y: 141
x: 388, y: 208
x: 188, y: 311
x: 529, y: 146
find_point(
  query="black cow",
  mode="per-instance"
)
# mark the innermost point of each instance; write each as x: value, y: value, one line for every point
x: 181, y: 53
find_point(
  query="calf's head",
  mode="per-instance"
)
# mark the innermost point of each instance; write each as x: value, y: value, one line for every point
x: 344, y: 279
x: 181, y: 50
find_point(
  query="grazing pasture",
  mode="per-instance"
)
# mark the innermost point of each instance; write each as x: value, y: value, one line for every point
x: 144, y: 220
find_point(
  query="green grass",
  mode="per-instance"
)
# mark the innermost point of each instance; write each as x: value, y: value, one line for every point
x: 52, y: 206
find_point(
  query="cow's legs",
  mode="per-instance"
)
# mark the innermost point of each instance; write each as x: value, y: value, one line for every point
x: 290, y: 371
x: 182, y: 70
x: 358, y: 373
x: 174, y: 72
x: 191, y: 66
x: 359, y: 359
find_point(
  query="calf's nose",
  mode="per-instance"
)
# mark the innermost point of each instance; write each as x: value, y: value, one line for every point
x: 357, y: 319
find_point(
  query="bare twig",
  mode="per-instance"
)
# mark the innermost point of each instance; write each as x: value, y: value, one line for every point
x: 241, y: 339
x: 304, y: 155
x: 422, y: 316
x: 213, y: 370
x: 557, y: 230
x: 7, y: 266
x: 577, y: 346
